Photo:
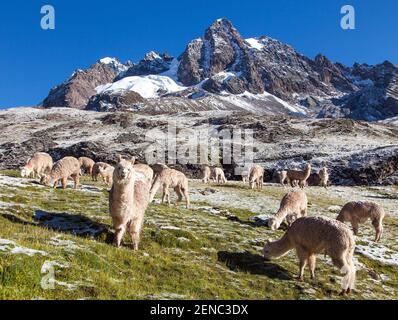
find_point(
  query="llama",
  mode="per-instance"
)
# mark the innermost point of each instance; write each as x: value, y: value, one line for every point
x: 86, y: 165
x: 360, y: 212
x: 300, y: 176
x: 323, y: 175
x: 128, y: 201
x: 170, y: 178
x: 39, y: 165
x: 68, y: 167
x: 157, y: 168
x: 282, y: 177
x: 293, y: 206
x: 219, y: 176
x: 107, y: 174
x: 256, y: 177
x: 96, y: 169
x: 316, y: 235
x: 206, y: 174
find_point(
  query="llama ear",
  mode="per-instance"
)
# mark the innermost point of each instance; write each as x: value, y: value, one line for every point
x: 119, y: 158
x: 132, y: 160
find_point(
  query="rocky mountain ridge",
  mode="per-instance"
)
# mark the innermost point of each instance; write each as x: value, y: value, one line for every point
x: 356, y: 152
x: 222, y: 70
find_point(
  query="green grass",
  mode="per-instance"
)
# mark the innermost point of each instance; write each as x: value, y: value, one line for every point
x: 185, y: 254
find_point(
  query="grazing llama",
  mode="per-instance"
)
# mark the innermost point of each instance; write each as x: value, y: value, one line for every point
x: 293, y: 206
x: 39, y: 165
x: 219, y: 176
x: 256, y: 177
x: 360, y: 212
x: 86, y: 165
x: 68, y: 167
x: 316, y: 235
x: 170, y: 178
x: 206, y: 174
x: 96, y: 169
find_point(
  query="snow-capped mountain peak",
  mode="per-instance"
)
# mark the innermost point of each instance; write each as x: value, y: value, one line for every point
x: 222, y: 69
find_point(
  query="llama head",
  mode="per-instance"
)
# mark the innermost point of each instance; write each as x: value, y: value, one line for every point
x: 269, y: 250
x: 26, y: 171
x: 273, y: 224
x: 46, y: 180
x: 124, y: 171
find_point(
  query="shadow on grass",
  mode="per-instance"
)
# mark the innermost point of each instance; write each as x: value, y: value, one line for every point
x: 252, y: 263
x: 15, y: 219
x: 77, y: 225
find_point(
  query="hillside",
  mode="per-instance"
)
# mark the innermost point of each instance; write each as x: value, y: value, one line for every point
x: 213, y: 251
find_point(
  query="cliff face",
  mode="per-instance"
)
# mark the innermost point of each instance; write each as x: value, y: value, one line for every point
x: 80, y: 87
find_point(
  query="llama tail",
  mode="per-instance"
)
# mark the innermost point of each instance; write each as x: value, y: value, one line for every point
x: 348, y: 282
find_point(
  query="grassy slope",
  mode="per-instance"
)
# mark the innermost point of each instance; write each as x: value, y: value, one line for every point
x: 208, y: 257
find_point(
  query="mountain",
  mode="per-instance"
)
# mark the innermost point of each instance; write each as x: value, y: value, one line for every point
x: 222, y: 70
x: 80, y: 87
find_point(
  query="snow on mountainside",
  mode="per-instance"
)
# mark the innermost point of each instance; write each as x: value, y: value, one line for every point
x: 222, y: 70
x: 115, y: 64
x: 151, y: 86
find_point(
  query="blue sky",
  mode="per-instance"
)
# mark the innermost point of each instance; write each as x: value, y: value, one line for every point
x: 33, y: 60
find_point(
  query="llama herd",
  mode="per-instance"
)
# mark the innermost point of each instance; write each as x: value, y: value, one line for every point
x: 134, y: 186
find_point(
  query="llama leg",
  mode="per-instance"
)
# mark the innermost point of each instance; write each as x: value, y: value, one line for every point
x: 379, y: 229
x: 64, y: 182
x: 55, y: 184
x: 185, y: 193
x: 312, y: 265
x: 135, y: 232
x: 179, y: 195
x: 164, y: 194
x: 119, y: 233
x: 302, y: 265
x: 303, y: 260
x: 355, y: 227
x: 76, y: 179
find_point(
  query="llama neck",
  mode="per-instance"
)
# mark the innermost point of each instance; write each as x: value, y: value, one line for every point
x: 123, y: 189
x: 282, y: 246
x: 307, y: 173
x: 55, y: 174
x: 281, y: 214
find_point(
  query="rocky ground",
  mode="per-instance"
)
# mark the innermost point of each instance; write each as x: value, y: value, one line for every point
x: 357, y: 152
x: 212, y: 251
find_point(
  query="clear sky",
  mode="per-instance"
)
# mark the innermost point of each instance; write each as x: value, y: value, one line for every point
x: 33, y: 60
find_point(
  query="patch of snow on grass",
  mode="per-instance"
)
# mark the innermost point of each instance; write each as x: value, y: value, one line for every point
x: 10, y: 247
x: 378, y: 253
